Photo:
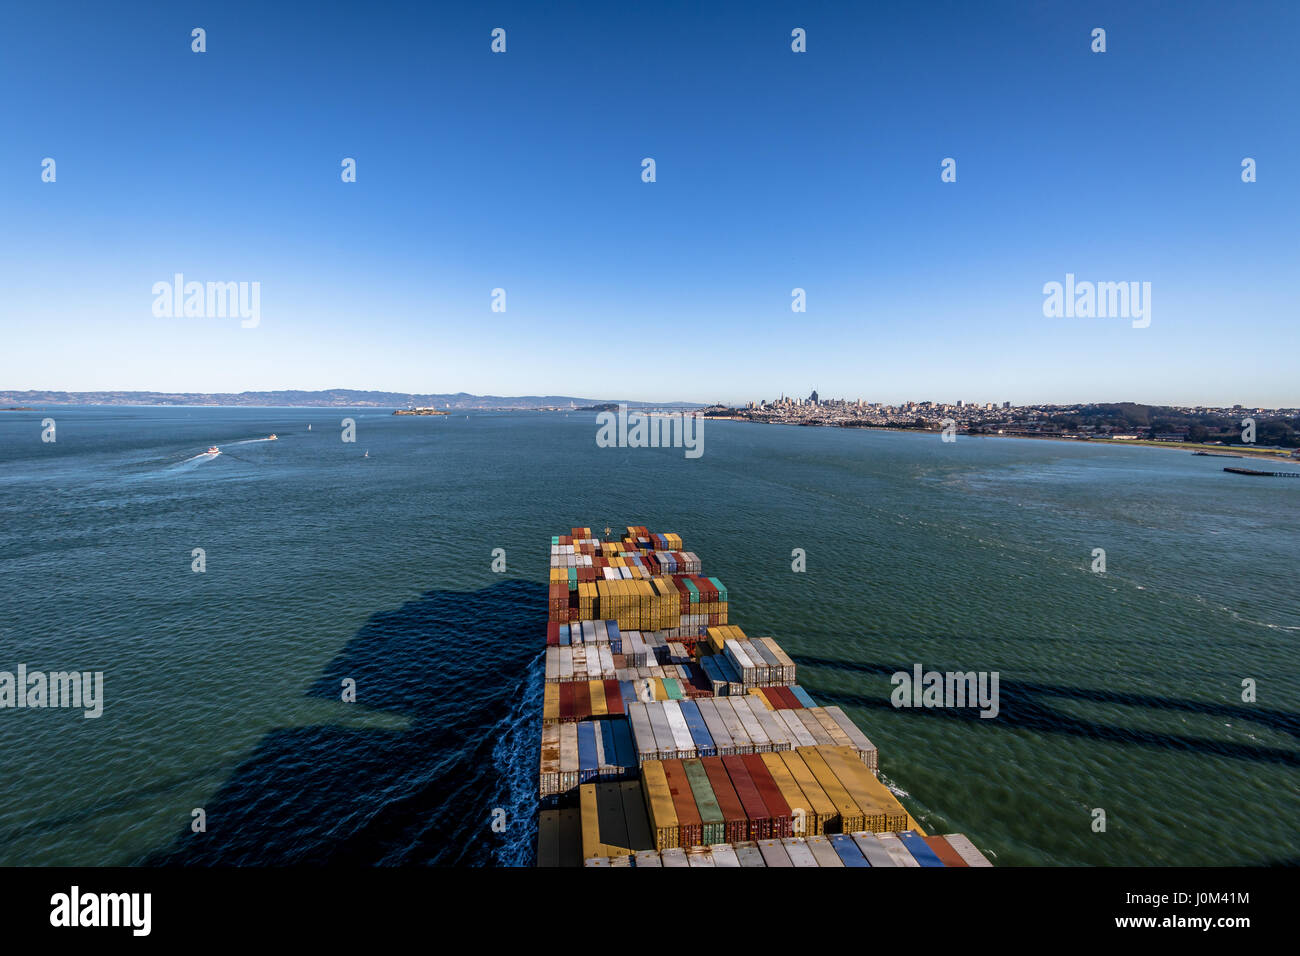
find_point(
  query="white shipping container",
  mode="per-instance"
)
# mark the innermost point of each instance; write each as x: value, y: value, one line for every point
x: 667, y: 743
x: 549, y: 783
x: 798, y: 851
x: 731, y: 720
x: 966, y: 850
x: 777, y: 732
x: 857, y: 739
x: 894, y: 847
x: 740, y: 660
x: 762, y: 667
x: 745, y: 712
x: 724, y: 854
x: 681, y: 732
x: 774, y: 853
x: 717, y: 729
x: 825, y: 853
x: 873, y: 849
x: 836, y: 732
x: 788, y: 675
x: 798, y: 732
x: 749, y: 854
x: 643, y: 737
x: 569, y: 764
x: 699, y: 856
x: 814, y: 727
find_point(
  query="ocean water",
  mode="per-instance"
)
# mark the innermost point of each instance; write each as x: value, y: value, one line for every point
x: 1119, y: 691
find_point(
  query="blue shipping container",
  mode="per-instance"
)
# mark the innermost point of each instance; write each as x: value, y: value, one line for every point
x: 802, y: 695
x: 698, y: 728
x: 848, y: 850
x: 623, y: 744
x: 919, y: 849
x: 588, y: 762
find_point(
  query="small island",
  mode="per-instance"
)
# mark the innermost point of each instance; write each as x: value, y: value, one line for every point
x: 18, y: 408
x: 419, y: 411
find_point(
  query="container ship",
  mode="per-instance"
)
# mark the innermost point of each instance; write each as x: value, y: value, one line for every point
x: 670, y: 737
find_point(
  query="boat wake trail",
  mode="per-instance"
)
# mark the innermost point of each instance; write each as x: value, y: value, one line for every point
x: 514, y: 757
x: 194, y: 462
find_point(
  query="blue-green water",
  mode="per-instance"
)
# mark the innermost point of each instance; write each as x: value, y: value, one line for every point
x: 1119, y: 691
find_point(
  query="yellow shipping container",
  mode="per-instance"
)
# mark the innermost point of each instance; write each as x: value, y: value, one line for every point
x: 881, y: 809
x: 851, y: 818
x: 659, y: 802
x: 820, y: 804
x: 598, y: 706
x: 793, y: 795
x: 551, y: 704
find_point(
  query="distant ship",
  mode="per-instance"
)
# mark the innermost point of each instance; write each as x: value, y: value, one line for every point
x: 308, y: 428
x: 214, y: 450
x: 366, y: 455
x: 271, y: 437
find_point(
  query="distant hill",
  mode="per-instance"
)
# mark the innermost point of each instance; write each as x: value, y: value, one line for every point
x: 333, y: 397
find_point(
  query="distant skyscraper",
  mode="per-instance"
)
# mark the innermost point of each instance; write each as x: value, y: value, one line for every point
x: 813, y: 397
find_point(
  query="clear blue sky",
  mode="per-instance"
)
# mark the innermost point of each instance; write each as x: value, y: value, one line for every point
x: 775, y: 170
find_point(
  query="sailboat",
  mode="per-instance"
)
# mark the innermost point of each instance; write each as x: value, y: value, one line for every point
x: 309, y: 428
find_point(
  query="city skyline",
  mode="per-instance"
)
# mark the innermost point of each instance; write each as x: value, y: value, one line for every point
x: 776, y: 171
x: 387, y: 397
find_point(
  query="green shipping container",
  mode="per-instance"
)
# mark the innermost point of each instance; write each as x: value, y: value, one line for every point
x: 705, y: 801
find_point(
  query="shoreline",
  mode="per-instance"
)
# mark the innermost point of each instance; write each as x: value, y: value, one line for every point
x: 1282, y: 454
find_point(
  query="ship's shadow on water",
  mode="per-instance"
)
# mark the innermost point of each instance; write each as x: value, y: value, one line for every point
x: 455, y: 665
x: 1027, y: 705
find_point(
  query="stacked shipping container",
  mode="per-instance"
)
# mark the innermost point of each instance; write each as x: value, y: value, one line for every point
x: 687, y: 743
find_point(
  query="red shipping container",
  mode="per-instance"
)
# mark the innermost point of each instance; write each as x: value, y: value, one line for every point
x: 760, y: 822
x: 777, y: 808
x: 613, y: 697
x: 944, y: 851
x: 690, y: 826
x: 788, y: 700
x: 581, y: 700
x: 566, y: 701
x: 553, y: 634
x: 686, y: 606
x: 733, y: 811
